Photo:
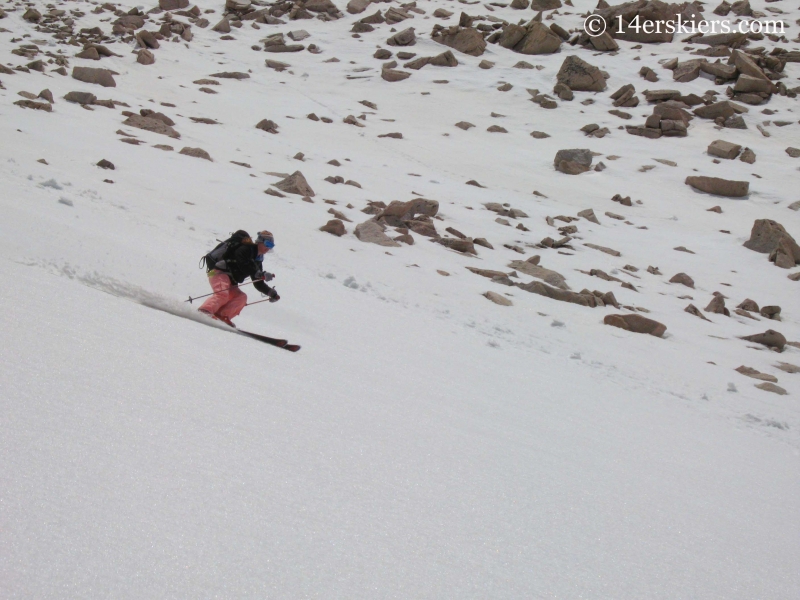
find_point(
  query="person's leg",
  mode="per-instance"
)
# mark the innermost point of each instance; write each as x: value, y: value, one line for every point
x: 221, y: 284
x: 237, y: 300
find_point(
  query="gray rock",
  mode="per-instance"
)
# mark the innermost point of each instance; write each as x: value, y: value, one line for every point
x: 724, y: 149
x: 683, y: 279
x: 151, y: 124
x: 636, y: 324
x: 770, y: 338
x: 335, y: 227
x: 102, y: 77
x: 196, y: 153
x: 295, y: 184
x: 718, y: 186
x: 580, y: 76
x: 373, y: 232
x: 573, y: 162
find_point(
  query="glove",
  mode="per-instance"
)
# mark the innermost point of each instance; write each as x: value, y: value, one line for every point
x: 273, y: 295
x: 263, y: 276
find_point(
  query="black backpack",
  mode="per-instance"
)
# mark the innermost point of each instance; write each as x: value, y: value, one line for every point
x: 224, y: 250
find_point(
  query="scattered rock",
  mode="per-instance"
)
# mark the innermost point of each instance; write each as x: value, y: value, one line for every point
x: 335, y: 227
x: 718, y: 186
x: 151, y: 124
x: 106, y: 164
x: 751, y: 372
x: 693, y: 310
x: 267, y: 125
x: 196, y: 153
x: 295, y: 184
x: 145, y: 57
x: 573, y: 162
x: 683, y: 279
x: 724, y: 149
x: 771, y: 387
x: 580, y: 76
x: 636, y: 324
x: 770, y: 338
x: 373, y: 232
x: 497, y: 298
x: 769, y: 236
x: 102, y: 77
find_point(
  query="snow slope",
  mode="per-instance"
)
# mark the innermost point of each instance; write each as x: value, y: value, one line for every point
x: 424, y: 443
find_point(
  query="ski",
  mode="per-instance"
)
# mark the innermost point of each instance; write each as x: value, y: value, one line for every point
x: 278, y: 343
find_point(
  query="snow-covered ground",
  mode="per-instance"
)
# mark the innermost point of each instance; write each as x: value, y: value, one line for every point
x: 425, y: 442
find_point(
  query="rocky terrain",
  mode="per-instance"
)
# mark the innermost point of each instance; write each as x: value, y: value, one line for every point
x: 628, y: 202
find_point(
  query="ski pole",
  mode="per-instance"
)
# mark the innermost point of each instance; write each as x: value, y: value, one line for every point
x: 212, y: 293
x: 258, y: 301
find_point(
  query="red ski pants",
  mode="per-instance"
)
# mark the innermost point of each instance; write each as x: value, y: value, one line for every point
x: 228, y: 300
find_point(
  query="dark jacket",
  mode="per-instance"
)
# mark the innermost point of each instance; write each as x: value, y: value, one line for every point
x: 242, y: 264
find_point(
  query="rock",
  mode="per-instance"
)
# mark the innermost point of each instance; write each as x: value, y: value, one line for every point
x: 145, y: 57
x: 80, y: 97
x: 771, y: 387
x: 497, y: 298
x: 393, y: 75
x: 173, y: 4
x: 464, y: 125
x: 693, y: 310
x: 403, y: 38
x: 408, y: 211
x: 335, y: 227
x: 464, y: 246
x: 683, y: 279
x: 151, y: 124
x: 636, y: 324
x: 748, y: 304
x: 231, y: 75
x: 106, y: 164
x: 793, y: 152
x: 534, y: 270
x: 355, y: 7
x: 295, y: 184
x: 717, y: 305
x: 45, y: 106
x: 445, y: 59
x: 718, y: 186
x: 769, y: 236
x: 724, y: 149
x: 542, y: 289
x: 717, y: 109
x: 46, y: 95
x: 32, y: 15
x: 539, y: 39
x: 267, y: 125
x: 770, y: 338
x: 580, y: 76
x: 748, y: 156
x: 771, y: 312
x: 603, y: 249
x: 89, y: 53
x: 102, y: 77
x: 747, y: 84
x: 788, y: 367
x: 589, y: 215
x: 195, y: 152
x: 464, y: 39
x: 573, y: 162
x: 373, y: 233
x: 750, y: 372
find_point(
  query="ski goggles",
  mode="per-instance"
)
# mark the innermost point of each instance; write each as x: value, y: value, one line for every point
x: 267, y: 241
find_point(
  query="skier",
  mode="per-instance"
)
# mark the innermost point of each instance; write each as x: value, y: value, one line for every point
x: 229, y: 264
